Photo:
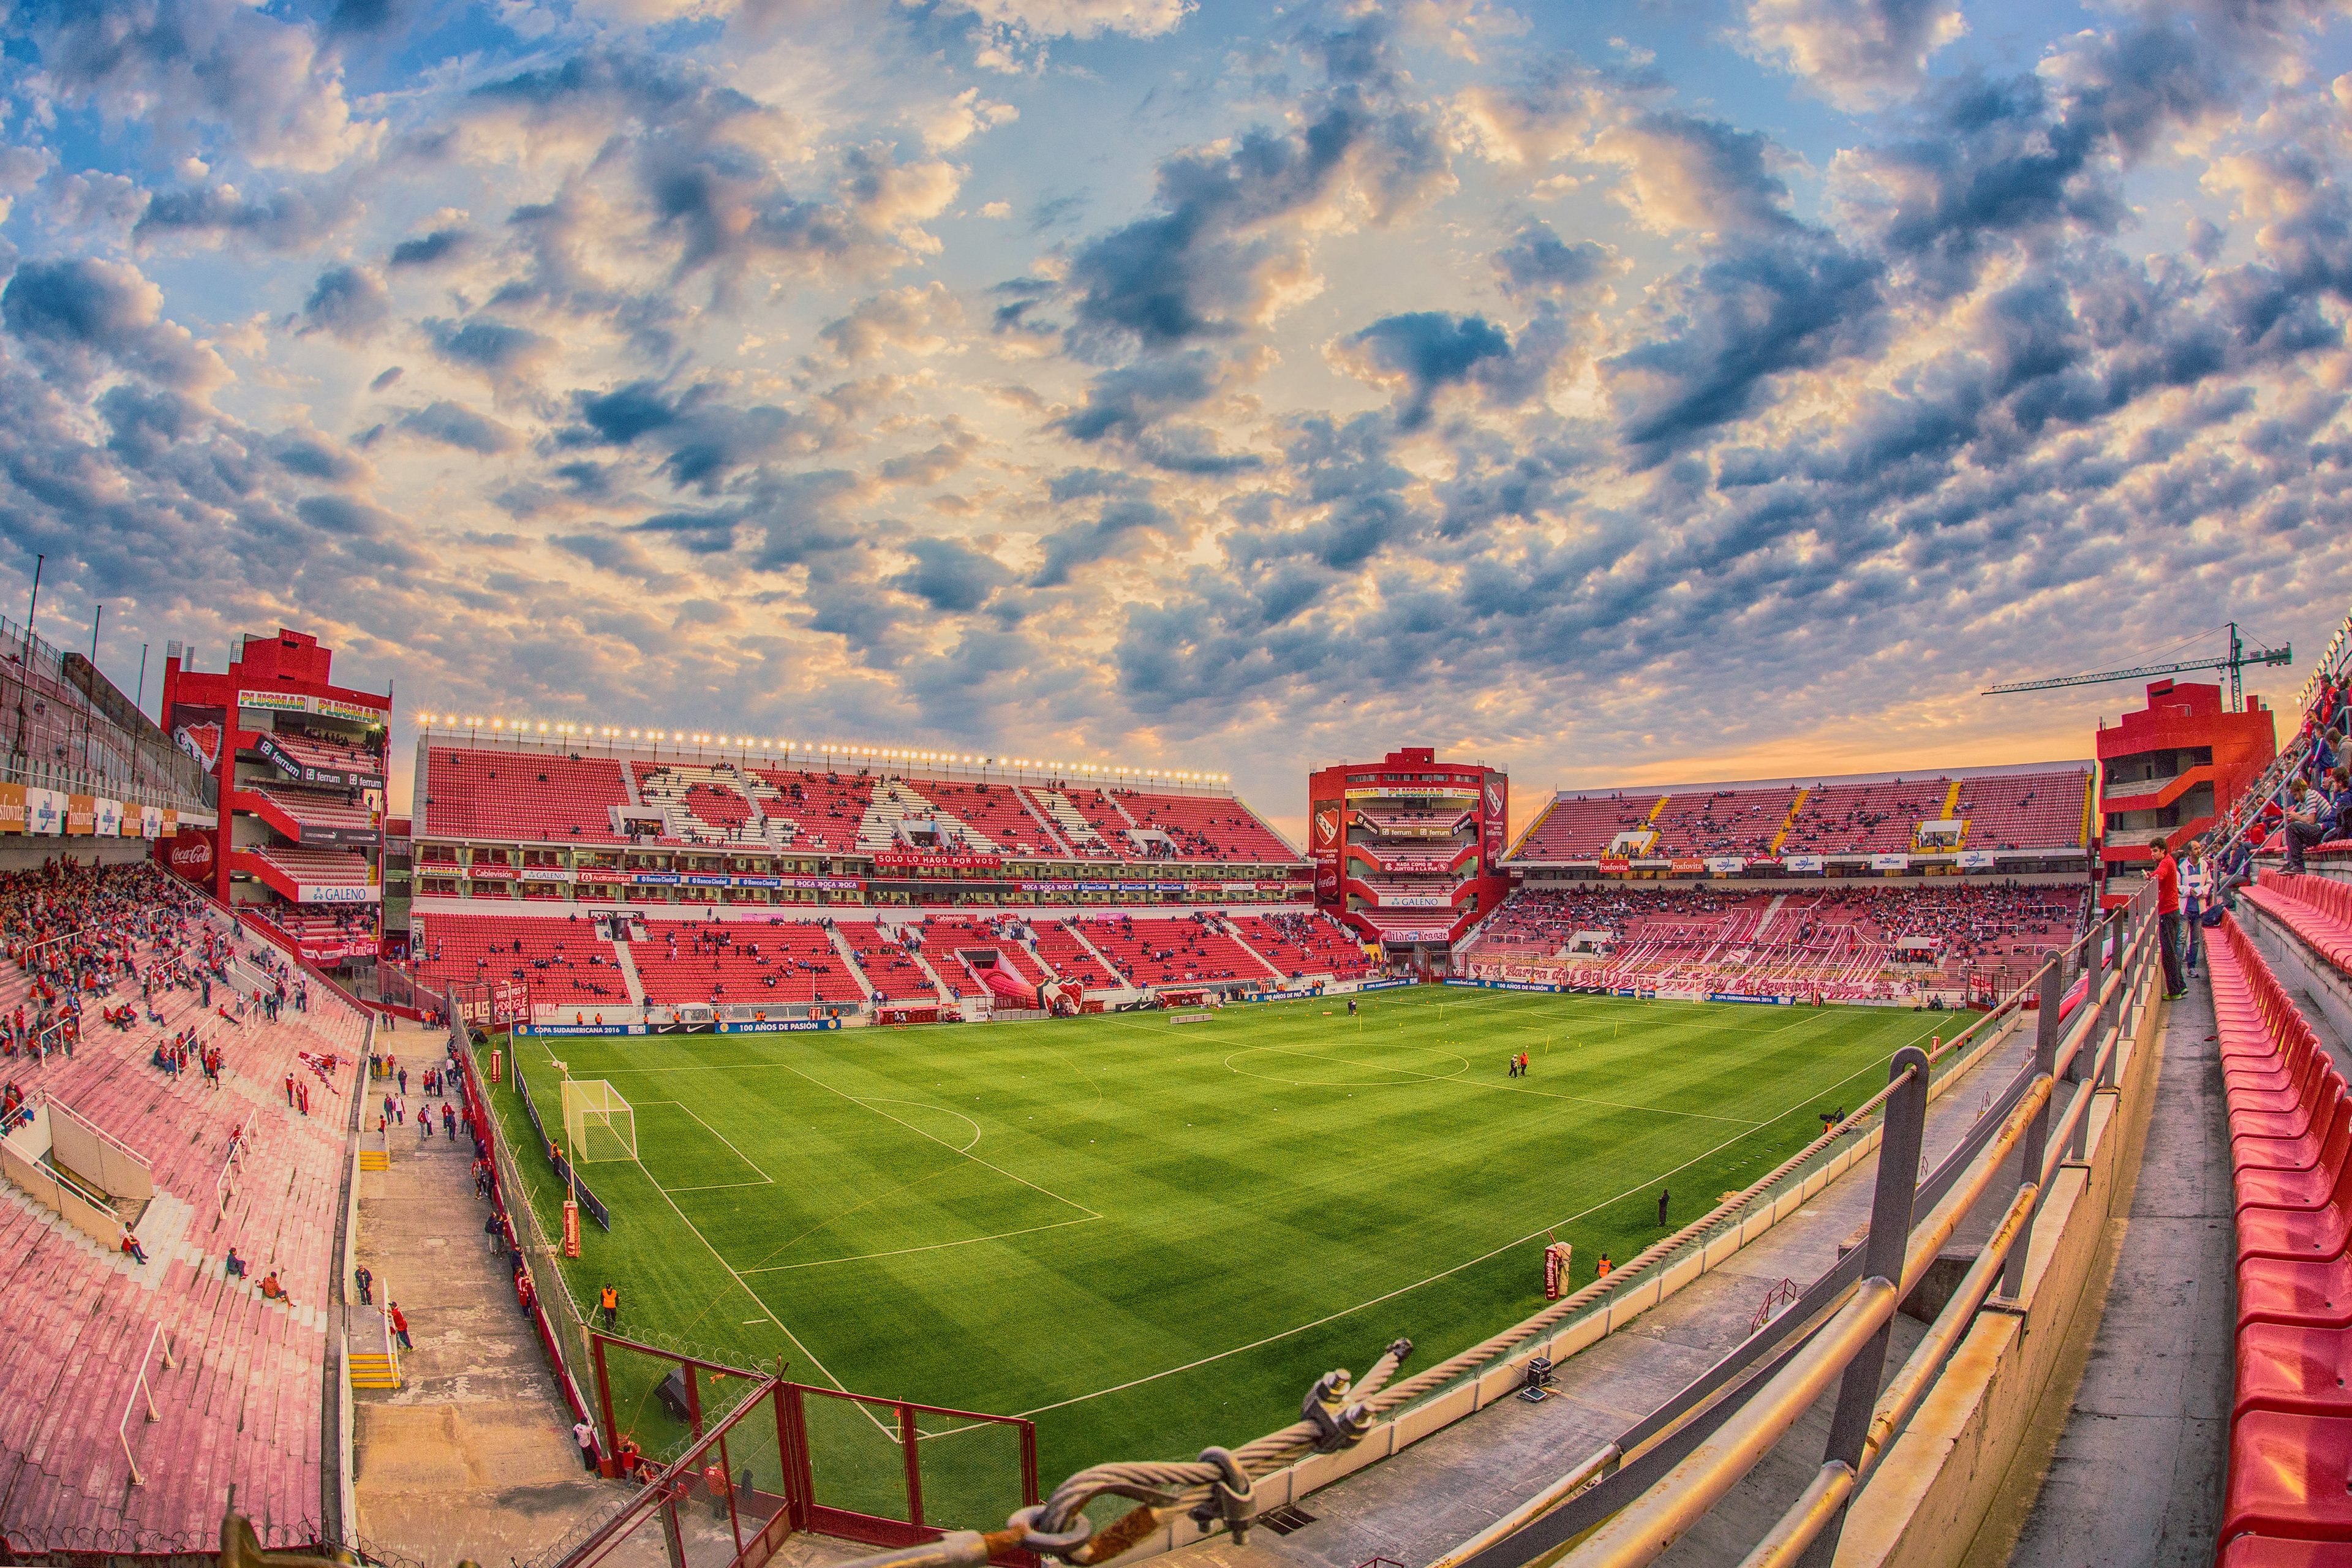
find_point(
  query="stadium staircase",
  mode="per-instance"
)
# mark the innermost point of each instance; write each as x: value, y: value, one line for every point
x: 1075, y: 830
x: 939, y: 983
x: 1235, y: 932
x: 631, y: 981
x: 1795, y: 806
x: 849, y: 959
x: 1052, y: 834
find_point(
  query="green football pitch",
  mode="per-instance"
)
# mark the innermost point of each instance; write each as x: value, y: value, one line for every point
x: 1150, y: 1235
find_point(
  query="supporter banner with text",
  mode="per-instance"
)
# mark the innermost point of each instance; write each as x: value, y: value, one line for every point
x: 901, y: 858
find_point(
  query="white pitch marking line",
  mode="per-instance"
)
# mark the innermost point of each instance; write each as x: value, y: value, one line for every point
x: 934, y: 1247
x: 942, y: 1142
x: 1443, y: 1273
x: 926, y: 1105
x: 722, y: 1137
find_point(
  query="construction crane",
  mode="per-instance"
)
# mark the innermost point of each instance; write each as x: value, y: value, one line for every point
x: 2238, y: 658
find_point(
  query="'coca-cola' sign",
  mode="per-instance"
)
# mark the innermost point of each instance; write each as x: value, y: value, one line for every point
x: 190, y: 853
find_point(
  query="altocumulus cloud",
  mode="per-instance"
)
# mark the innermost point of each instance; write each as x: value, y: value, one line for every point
x: 1389, y: 372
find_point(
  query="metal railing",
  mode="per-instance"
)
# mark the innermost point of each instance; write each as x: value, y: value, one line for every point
x: 1848, y: 1350
x: 140, y: 1389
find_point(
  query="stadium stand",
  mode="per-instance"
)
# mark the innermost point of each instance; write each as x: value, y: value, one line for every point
x: 823, y: 810
x: 1843, y: 942
x: 896, y: 976
x: 190, y: 1102
x: 1865, y: 819
x: 289, y: 867
x: 1067, y: 954
x: 2023, y: 811
x: 1174, y: 952
x: 482, y: 794
x: 706, y: 961
x: 1723, y: 821
x: 945, y: 940
x: 2290, y: 1420
x: 1582, y: 828
x: 2003, y: 811
x: 1304, y: 946
x: 994, y: 814
x: 565, y: 961
x: 313, y: 809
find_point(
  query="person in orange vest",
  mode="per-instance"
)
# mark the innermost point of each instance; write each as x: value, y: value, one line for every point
x: 715, y: 1478
x: 608, y: 1301
x: 1605, y: 1266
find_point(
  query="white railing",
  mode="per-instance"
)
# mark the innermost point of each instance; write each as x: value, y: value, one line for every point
x: 140, y: 1389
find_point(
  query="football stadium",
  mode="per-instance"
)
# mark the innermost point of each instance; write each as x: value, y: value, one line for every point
x: 1163, y: 783
x: 837, y: 1150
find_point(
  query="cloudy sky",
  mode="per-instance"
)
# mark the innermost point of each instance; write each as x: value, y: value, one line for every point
x: 1614, y: 390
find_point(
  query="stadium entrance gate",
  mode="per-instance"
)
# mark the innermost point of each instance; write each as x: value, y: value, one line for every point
x: 759, y: 1457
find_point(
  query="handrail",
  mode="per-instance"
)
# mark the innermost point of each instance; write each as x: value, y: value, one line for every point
x: 138, y: 1385
x: 1651, y: 1524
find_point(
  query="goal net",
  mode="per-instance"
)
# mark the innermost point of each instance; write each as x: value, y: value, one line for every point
x: 598, y: 1124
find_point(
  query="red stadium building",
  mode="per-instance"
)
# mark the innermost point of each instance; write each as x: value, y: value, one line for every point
x: 299, y: 762
x: 2167, y: 771
x: 1406, y: 849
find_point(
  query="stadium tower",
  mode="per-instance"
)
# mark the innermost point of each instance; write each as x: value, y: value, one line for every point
x: 2167, y: 772
x: 299, y: 764
x: 1406, y: 848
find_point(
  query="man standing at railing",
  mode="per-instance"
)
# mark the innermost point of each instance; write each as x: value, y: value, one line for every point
x: 2167, y: 921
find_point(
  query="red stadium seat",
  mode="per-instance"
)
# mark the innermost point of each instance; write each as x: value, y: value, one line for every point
x: 2268, y: 1551
x: 2294, y: 1367
x: 2287, y: 1476
x: 2280, y: 1290
x: 2329, y: 1141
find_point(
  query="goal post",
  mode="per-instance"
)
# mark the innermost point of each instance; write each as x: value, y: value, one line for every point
x: 598, y: 1124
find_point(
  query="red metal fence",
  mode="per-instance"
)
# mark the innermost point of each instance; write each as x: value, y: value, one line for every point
x: 771, y: 1456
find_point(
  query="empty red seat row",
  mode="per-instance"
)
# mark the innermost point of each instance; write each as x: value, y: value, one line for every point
x: 2288, y: 1500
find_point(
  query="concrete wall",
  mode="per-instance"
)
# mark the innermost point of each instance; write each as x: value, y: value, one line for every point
x: 96, y: 1159
x: 1924, y: 1505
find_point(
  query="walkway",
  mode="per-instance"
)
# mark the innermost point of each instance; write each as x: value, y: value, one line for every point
x: 2134, y: 1479
x: 473, y: 1456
